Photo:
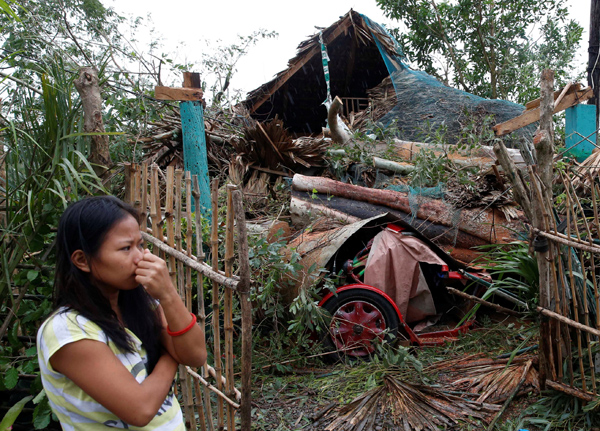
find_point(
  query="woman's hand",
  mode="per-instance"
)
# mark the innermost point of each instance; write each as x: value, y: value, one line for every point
x: 153, y: 274
x: 188, y: 348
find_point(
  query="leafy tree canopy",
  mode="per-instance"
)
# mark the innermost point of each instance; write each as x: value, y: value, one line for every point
x: 491, y: 48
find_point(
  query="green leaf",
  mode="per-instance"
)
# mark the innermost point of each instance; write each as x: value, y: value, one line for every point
x: 39, y: 397
x: 13, y: 413
x: 32, y: 274
x: 11, y: 378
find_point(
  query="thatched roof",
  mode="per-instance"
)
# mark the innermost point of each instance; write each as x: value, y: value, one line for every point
x: 296, y: 94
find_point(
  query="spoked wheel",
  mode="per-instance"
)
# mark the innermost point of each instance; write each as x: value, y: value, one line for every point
x: 360, y: 319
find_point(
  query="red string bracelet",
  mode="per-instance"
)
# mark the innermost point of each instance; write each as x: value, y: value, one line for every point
x: 184, y: 330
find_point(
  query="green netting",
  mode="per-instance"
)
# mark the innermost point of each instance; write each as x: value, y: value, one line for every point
x: 425, y: 104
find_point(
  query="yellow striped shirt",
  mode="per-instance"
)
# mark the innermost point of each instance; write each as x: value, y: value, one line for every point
x: 75, y: 409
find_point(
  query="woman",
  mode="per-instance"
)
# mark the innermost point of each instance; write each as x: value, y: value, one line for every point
x: 109, y: 353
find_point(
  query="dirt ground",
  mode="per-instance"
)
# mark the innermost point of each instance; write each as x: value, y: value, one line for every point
x: 296, y: 399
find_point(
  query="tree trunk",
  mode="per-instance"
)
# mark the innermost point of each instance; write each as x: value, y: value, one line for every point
x: 91, y: 99
x: 490, y: 225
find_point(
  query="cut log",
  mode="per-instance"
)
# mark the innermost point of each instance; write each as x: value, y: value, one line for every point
x: 458, y: 244
x: 490, y: 225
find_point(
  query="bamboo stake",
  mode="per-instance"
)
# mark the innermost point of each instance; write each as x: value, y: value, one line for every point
x: 565, y: 312
x: 584, y: 277
x: 228, y: 304
x: 214, y: 245
x: 574, y: 293
x: 155, y: 212
x: 170, y: 227
x: 175, y: 199
x: 545, y: 292
x: 200, y: 404
x: 144, y: 191
x: 137, y: 187
x: 246, y: 311
x: 200, y: 283
x: 201, y: 267
x: 128, y: 189
x: 555, y: 259
x: 595, y: 197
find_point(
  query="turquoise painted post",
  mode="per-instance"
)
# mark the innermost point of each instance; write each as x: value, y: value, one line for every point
x: 580, y: 127
x: 194, y: 150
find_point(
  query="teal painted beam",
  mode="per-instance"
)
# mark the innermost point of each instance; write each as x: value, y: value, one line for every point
x: 194, y: 150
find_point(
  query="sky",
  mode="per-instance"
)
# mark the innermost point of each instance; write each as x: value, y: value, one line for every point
x: 184, y: 28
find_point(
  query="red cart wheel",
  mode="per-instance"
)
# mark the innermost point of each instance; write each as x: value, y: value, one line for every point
x: 360, y: 319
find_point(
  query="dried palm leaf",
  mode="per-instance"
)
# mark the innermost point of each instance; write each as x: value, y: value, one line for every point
x: 410, y: 407
x: 492, y: 379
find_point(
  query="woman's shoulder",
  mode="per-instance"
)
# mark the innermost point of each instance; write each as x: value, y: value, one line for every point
x: 67, y: 325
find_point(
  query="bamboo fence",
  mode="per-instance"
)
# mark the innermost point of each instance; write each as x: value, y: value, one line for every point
x: 164, y: 201
x: 562, y: 235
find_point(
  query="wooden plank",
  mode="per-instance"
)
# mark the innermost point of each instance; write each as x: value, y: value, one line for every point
x: 179, y: 94
x: 343, y: 27
x: 536, y: 102
x: 533, y: 115
x: 191, y: 80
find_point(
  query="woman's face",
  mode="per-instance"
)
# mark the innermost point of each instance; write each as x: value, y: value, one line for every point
x: 113, y: 268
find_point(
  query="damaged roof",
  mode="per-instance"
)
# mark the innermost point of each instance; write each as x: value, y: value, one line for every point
x: 356, y: 64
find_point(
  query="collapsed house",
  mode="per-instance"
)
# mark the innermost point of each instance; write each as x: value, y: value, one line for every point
x: 365, y: 67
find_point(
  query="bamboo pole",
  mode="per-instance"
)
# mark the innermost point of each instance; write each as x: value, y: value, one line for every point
x: 565, y: 312
x: 221, y: 395
x: 127, y: 182
x: 200, y: 403
x: 200, y: 283
x: 170, y: 227
x: 586, y: 396
x: 546, y: 279
x: 155, y: 211
x: 246, y: 311
x: 584, y: 277
x: 214, y: 246
x: 203, y: 268
x: 595, y: 197
x: 228, y: 303
x: 184, y: 378
x: 137, y: 188
x: 234, y: 277
x: 564, y: 240
x: 574, y: 293
x: 497, y: 307
x: 144, y: 191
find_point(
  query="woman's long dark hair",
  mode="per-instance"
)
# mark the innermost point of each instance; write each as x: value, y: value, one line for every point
x: 84, y: 226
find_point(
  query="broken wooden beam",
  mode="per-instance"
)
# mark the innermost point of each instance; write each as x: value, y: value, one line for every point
x: 177, y: 94
x: 531, y: 116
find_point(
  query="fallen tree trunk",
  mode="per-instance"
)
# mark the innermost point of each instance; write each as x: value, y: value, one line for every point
x: 489, y: 225
x: 303, y: 208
